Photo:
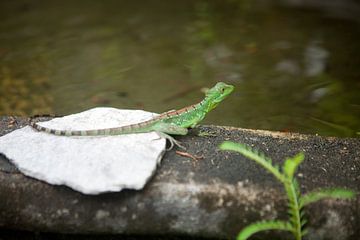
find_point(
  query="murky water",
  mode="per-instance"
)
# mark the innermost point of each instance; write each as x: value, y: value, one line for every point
x: 295, y: 69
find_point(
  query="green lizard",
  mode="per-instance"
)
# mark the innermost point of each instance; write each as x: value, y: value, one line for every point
x: 174, y: 122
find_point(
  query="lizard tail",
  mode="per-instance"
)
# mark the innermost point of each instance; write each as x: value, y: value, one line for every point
x: 39, y: 128
x: 133, y: 128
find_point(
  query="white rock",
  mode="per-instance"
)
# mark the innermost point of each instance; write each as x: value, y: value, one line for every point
x: 90, y: 165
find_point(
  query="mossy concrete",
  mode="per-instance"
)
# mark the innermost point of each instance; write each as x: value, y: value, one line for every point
x: 214, y: 196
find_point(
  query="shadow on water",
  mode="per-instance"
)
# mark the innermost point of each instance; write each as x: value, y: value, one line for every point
x: 295, y: 65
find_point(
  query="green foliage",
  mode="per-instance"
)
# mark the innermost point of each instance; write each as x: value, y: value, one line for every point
x: 296, y: 201
x: 263, y: 226
x: 326, y: 193
x: 260, y: 158
x: 291, y: 164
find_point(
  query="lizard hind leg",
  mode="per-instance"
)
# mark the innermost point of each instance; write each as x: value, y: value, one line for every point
x: 164, y: 129
x: 172, y: 141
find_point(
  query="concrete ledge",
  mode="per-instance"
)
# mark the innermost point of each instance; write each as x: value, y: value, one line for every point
x: 214, y: 196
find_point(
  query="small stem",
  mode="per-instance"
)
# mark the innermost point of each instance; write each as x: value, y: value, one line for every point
x: 295, y: 208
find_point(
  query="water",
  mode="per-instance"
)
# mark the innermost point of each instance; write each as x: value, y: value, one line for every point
x: 294, y: 68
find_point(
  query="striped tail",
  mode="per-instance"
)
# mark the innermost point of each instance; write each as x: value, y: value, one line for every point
x: 133, y: 128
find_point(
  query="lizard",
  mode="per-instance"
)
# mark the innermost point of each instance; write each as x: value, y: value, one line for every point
x: 174, y: 122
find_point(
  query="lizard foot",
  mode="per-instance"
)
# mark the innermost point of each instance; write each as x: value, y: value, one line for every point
x: 172, y: 141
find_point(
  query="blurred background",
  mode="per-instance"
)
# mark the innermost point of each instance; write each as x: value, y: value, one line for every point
x: 295, y: 63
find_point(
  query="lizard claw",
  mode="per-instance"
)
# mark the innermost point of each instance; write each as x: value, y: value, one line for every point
x: 175, y: 142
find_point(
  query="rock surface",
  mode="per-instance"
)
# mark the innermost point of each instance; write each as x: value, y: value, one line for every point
x: 92, y: 164
x: 214, y: 196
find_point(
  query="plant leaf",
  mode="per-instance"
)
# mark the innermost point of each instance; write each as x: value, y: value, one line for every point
x: 303, y: 222
x: 294, y: 207
x: 291, y: 164
x: 326, y: 193
x: 254, y: 155
x: 304, y: 232
x: 263, y: 226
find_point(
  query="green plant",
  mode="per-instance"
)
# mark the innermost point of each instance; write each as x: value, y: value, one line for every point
x: 296, y: 201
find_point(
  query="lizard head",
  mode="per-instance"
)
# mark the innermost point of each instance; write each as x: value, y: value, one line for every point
x: 218, y: 93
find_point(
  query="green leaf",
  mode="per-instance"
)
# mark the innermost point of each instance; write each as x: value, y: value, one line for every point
x: 263, y: 226
x: 294, y: 209
x: 304, y: 232
x: 302, y: 214
x: 291, y: 164
x: 326, y: 193
x: 254, y: 155
x: 303, y: 222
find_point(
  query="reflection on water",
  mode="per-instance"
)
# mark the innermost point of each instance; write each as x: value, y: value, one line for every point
x: 295, y: 69
x: 16, y: 96
x: 315, y: 59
